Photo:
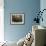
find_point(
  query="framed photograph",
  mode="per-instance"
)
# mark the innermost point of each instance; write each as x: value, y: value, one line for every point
x: 17, y: 18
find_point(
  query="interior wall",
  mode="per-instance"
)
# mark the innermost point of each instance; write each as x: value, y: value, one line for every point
x: 29, y: 8
x: 43, y: 6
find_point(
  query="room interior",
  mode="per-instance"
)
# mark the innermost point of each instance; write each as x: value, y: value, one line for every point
x: 14, y: 31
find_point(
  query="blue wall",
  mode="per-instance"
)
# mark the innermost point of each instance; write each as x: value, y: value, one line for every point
x: 43, y: 6
x: 29, y: 7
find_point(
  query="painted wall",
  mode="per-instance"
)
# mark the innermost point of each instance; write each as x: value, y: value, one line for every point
x: 43, y: 6
x: 28, y: 7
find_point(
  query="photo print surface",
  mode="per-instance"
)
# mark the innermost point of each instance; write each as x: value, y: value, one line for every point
x: 17, y: 18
